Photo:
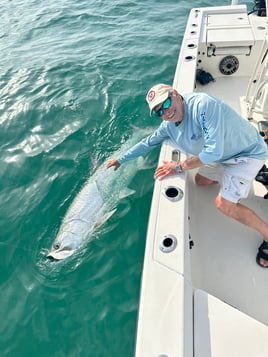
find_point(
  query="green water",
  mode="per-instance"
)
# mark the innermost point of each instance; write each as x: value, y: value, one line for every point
x: 73, y: 79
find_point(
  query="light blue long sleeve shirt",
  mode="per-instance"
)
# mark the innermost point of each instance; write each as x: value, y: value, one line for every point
x: 210, y: 129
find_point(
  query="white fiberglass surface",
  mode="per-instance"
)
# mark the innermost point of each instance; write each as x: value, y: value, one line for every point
x: 228, y: 89
x: 224, y: 251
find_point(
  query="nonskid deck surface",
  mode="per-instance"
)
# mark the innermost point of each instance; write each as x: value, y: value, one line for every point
x: 224, y: 252
x: 223, y: 256
x: 227, y: 89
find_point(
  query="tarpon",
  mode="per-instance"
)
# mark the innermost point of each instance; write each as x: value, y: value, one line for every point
x: 94, y: 205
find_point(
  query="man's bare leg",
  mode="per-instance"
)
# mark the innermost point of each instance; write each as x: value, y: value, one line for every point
x: 246, y: 216
x: 203, y: 181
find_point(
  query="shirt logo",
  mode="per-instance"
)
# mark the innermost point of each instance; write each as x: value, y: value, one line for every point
x: 196, y: 136
x: 204, y: 128
x: 151, y: 95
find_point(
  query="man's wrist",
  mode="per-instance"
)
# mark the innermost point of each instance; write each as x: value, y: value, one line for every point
x: 178, y: 168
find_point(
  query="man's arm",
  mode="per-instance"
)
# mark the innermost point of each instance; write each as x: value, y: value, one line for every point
x: 141, y: 148
x: 169, y: 167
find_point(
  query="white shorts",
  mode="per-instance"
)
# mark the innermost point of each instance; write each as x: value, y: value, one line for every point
x: 234, y: 175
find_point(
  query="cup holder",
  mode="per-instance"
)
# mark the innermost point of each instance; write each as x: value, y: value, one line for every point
x: 168, y: 243
x: 173, y: 193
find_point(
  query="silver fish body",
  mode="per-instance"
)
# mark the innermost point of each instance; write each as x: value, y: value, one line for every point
x: 93, y: 206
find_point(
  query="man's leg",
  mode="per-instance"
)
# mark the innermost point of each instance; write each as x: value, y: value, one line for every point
x: 204, y: 181
x: 244, y: 215
x: 209, y: 174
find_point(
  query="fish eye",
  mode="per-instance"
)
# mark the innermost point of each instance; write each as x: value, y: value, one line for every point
x: 56, y: 246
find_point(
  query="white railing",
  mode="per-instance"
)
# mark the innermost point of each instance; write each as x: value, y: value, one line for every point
x: 257, y: 92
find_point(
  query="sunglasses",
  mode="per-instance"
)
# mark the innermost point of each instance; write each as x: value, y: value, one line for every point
x: 164, y: 106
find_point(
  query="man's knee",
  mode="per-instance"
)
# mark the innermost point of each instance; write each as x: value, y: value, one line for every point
x: 225, y: 206
x: 203, y: 181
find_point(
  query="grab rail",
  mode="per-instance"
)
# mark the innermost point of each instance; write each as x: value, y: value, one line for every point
x: 258, y: 80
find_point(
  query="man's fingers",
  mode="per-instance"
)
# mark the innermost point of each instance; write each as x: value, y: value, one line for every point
x: 166, y: 169
x: 114, y: 163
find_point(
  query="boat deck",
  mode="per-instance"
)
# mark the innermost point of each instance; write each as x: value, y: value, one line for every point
x: 231, y: 273
x: 228, y: 89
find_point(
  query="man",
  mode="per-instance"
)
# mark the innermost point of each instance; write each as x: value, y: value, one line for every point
x: 225, y: 147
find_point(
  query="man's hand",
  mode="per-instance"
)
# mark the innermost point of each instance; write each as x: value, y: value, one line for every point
x: 113, y: 162
x: 167, y: 169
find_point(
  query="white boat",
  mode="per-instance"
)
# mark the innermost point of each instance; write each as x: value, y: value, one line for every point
x: 202, y: 293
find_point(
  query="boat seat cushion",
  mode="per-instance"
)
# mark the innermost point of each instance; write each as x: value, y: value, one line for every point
x: 220, y: 330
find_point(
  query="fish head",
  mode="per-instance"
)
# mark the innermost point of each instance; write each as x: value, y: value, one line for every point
x: 61, y: 249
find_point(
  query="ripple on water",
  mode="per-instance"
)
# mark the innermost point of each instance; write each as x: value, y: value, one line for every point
x: 73, y: 79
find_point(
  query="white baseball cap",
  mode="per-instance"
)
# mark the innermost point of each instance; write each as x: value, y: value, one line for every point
x: 157, y: 94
